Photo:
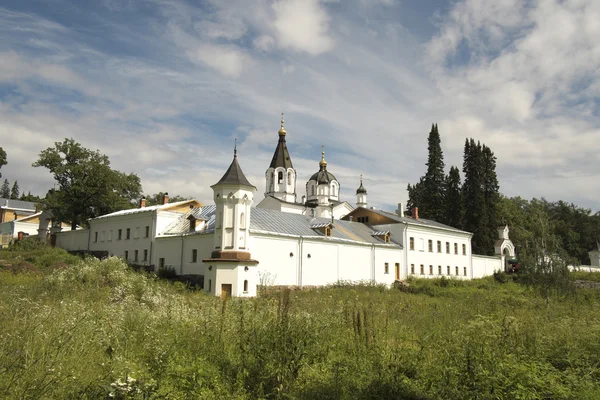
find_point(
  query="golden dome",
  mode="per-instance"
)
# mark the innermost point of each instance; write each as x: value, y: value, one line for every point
x: 282, y: 131
x: 323, y: 163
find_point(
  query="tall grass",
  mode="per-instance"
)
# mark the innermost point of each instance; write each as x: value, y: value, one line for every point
x: 98, y: 329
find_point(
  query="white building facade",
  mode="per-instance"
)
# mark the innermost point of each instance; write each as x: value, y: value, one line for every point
x: 319, y: 241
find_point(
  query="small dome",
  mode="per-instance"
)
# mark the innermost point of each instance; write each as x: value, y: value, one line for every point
x: 361, y: 188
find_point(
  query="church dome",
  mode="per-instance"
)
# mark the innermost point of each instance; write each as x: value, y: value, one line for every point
x: 361, y: 188
x: 323, y: 176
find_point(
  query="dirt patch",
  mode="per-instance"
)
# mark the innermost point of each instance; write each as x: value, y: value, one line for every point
x: 587, y: 284
x: 22, y: 268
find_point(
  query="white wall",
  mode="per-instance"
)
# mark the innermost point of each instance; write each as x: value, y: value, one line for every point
x: 291, y: 261
x: 421, y: 255
x: 485, y: 266
x: 73, y: 240
x: 107, y: 239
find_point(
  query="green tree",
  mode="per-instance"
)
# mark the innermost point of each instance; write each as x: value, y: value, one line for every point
x: 475, y: 216
x: 544, y: 264
x: 157, y: 199
x: 454, y: 201
x: 88, y: 186
x: 415, y: 195
x: 14, y: 192
x: 492, y: 197
x: 3, y: 159
x: 5, y: 190
x: 433, y: 196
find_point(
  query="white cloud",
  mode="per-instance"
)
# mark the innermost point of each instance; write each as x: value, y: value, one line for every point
x: 228, y: 60
x: 302, y: 25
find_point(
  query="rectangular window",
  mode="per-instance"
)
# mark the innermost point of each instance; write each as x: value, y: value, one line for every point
x: 146, y: 255
x: 95, y: 236
x: 455, y: 248
x: 120, y: 234
x: 456, y: 271
x: 412, y: 243
x: 465, y: 271
x: 422, y: 269
x: 439, y: 269
x: 464, y: 249
x: 126, y: 255
x: 397, y: 265
x: 147, y: 231
x: 194, y: 255
x: 128, y: 234
x: 431, y: 270
x: 412, y: 269
x: 135, y: 255
x: 448, y: 247
x: 448, y: 270
x: 386, y: 268
x: 430, y: 245
x: 439, y: 245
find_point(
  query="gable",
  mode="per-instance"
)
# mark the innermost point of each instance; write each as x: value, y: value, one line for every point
x: 182, y: 206
x: 373, y: 218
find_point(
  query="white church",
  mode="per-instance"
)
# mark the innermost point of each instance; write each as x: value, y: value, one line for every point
x: 315, y: 240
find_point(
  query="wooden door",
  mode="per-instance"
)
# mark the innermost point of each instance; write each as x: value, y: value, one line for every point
x: 226, y: 290
x: 397, y: 271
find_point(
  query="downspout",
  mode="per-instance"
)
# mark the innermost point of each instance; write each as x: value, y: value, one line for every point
x: 373, y: 263
x: 300, y: 258
x: 152, y: 238
x: 181, y: 257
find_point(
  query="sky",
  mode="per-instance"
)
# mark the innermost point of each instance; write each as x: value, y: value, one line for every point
x: 164, y: 87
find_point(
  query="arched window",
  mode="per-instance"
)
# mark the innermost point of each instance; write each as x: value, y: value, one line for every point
x: 242, y: 220
x: 289, y: 177
x: 246, y: 286
x: 280, y: 177
x: 312, y: 190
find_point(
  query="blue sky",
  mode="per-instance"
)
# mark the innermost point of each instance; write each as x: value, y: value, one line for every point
x: 164, y: 87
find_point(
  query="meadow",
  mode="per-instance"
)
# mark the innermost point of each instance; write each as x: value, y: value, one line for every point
x: 72, y: 329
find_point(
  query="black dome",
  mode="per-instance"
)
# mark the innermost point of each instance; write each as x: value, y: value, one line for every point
x: 323, y: 176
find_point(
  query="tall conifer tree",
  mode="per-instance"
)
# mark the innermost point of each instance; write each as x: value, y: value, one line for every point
x: 492, y: 199
x: 5, y: 190
x: 434, y: 181
x: 14, y: 192
x: 454, y: 200
x: 475, y: 216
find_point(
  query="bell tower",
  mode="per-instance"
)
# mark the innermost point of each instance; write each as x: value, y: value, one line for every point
x: 230, y: 270
x: 281, y: 175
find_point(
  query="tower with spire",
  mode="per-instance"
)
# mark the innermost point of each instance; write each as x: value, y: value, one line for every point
x: 361, y: 195
x: 322, y: 189
x: 281, y: 175
x: 231, y: 269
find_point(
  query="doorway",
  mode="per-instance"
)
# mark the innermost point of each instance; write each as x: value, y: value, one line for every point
x: 397, y: 271
x: 226, y: 290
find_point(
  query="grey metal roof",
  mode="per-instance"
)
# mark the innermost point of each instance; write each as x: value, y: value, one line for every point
x: 141, y: 209
x: 276, y: 222
x: 234, y: 174
x: 182, y: 224
x: 282, y: 223
x: 17, y: 204
x: 420, y: 221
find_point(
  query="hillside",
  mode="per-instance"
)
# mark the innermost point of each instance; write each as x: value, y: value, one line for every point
x: 97, y: 329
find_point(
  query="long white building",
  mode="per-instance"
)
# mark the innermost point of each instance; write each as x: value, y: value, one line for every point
x: 316, y: 241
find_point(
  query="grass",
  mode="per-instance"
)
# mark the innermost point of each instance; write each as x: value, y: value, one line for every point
x: 97, y: 329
